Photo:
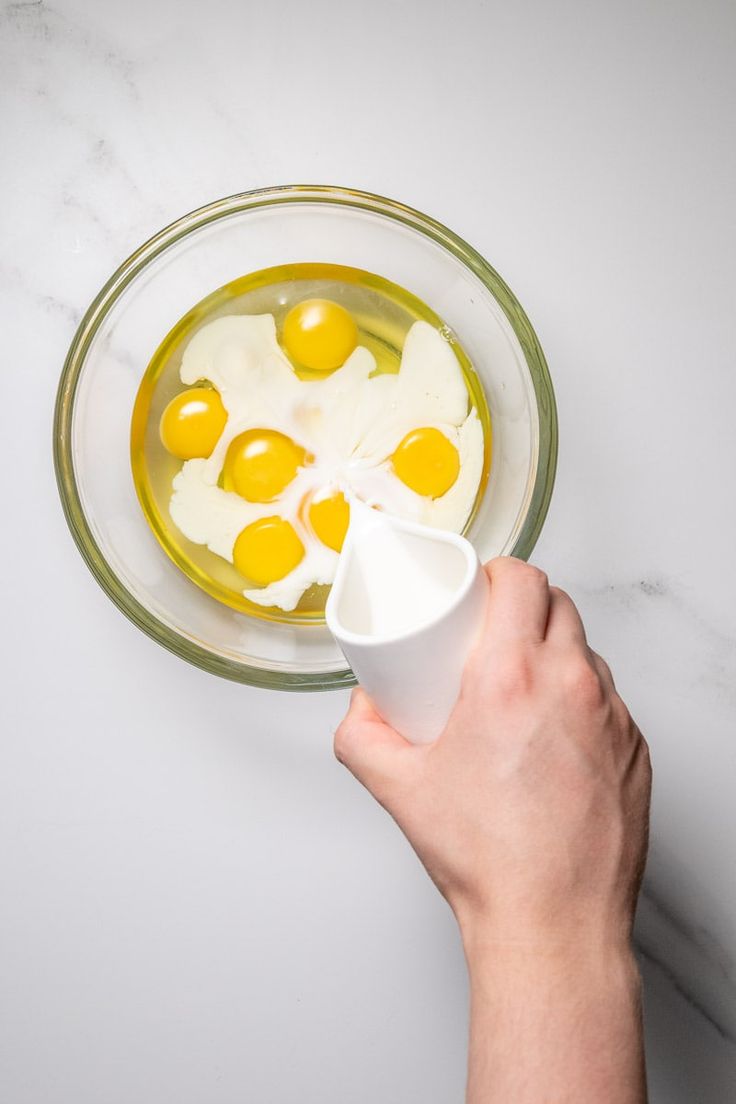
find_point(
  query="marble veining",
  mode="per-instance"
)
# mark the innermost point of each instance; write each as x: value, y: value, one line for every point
x: 157, y: 814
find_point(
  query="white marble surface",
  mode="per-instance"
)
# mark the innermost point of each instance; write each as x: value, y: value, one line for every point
x: 198, y: 904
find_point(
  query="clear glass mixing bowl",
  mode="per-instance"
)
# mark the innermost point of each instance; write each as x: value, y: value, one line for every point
x: 160, y: 282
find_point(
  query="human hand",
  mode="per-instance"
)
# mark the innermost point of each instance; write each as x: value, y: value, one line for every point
x: 530, y: 811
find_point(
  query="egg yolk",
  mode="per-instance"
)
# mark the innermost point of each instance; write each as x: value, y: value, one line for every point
x: 329, y: 516
x: 260, y: 464
x: 267, y: 550
x: 319, y: 334
x: 427, y: 462
x: 192, y: 423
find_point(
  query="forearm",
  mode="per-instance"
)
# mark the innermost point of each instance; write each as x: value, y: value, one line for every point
x: 553, y: 1026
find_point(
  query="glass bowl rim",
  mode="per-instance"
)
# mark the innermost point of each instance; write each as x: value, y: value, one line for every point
x: 123, y: 276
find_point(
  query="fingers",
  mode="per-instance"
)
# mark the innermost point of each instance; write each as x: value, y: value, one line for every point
x: 518, y: 604
x: 565, y: 628
x: 564, y: 625
x: 371, y: 750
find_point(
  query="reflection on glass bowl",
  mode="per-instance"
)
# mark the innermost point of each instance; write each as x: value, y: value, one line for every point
x: 160, y: 282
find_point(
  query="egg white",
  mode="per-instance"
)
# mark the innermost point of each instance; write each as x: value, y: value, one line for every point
x: 350, y: 422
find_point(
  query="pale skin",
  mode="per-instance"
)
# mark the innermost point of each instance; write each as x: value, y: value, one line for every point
x: 530, y: 814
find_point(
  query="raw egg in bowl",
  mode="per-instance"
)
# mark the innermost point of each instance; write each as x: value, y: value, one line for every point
x: 252, y: 366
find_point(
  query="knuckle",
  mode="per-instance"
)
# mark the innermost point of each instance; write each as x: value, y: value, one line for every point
x: 600, y: 662
x: 512, y: 677
x: 645, y: 755
x: 621, y: 713
x: 496, y: 562
x: 535, y: 575
x: 605, y: 668
x: 342, y: 741
x: 512, y: 565
x: 582, y: 684
x: 558, y: 592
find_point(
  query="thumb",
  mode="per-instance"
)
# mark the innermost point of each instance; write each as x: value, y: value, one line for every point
x: 371, y: 750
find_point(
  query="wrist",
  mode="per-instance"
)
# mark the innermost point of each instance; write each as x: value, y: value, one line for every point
x: 597, y: 955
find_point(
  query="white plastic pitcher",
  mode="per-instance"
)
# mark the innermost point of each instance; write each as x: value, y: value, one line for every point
x: 406, y: 608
